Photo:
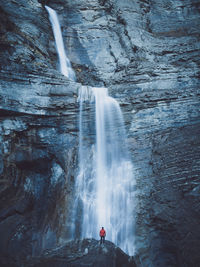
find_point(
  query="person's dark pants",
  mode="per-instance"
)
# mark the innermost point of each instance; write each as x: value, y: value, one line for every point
x: 102, y: 239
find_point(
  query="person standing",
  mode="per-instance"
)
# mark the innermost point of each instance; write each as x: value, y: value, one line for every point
x: 102, y: 234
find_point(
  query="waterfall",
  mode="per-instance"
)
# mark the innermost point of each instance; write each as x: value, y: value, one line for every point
x: 65, y: 65
x: 105, y: 183
x: 104, y: 187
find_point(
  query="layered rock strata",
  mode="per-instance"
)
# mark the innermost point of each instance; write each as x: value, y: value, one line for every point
x: 147, y: 53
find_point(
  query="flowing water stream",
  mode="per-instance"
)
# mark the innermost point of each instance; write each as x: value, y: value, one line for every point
x: 65, y: 65
x: 104, y: 188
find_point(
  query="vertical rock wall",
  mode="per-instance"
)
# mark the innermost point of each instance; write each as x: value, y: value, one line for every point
x: 38, y: 134
x: 147, y: 53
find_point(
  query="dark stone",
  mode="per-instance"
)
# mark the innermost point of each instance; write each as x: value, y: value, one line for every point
x: 87, y: 252
x: 147, y: 53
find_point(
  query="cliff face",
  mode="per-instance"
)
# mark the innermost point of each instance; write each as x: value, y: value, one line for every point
x: 38, y: 133
x: 147, y: 54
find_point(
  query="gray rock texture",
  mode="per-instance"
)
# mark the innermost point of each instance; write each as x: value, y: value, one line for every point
x: 87, y: 252
x: 38, y: 133
x: 147, y: 53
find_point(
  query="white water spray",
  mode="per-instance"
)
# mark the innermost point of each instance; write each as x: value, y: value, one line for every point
x: 65, y: 65
x: 105, y: 184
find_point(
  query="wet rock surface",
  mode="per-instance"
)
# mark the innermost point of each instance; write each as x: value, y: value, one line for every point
x: 38, y: 134
x: 87, y: 252
x: 147, y: 54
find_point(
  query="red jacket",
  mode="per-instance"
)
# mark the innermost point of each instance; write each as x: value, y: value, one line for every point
x: 102, y: 232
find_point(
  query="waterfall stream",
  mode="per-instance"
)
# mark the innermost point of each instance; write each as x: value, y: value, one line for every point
x: 65, y: 65
x: 105, y: 184
x: 104, y: 187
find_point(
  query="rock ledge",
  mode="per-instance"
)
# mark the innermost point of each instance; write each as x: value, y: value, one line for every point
x: 87, y: 252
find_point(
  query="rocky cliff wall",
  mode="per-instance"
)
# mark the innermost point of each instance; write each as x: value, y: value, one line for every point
x: 38, y: 122
x: 147, y: 54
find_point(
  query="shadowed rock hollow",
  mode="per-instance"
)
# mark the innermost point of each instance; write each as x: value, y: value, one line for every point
x: 147, y: 54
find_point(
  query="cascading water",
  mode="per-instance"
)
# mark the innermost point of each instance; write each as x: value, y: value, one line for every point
x: 65, y: 65
x: 104, y: 189
x: 105, y: 184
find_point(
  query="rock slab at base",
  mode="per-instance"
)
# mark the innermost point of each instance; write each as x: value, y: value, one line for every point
x: 87, y: 253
